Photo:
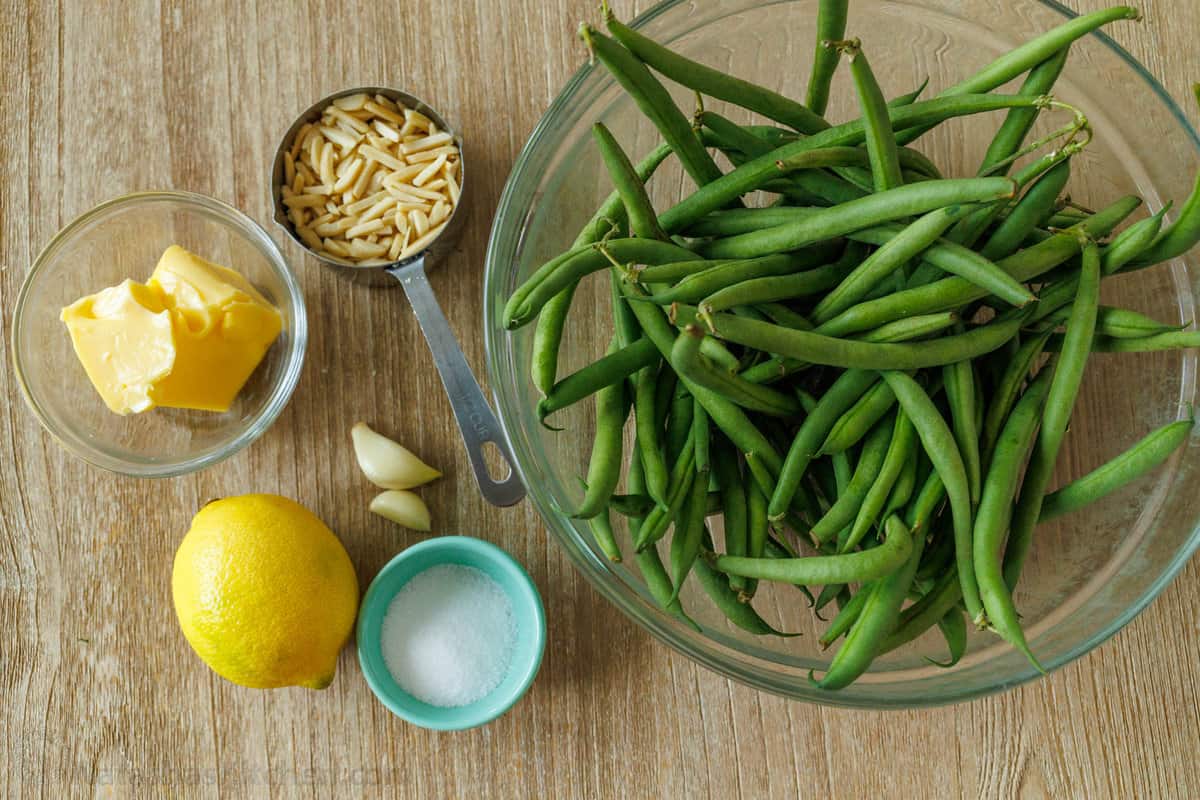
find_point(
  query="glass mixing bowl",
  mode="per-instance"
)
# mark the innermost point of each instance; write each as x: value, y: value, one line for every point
x: 1089, y: 572
x: 124, y: 238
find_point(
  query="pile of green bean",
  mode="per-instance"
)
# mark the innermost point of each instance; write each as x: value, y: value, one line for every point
x: 880, y: 364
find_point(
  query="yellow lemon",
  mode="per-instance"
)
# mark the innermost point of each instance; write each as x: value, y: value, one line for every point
x: 265, y: 592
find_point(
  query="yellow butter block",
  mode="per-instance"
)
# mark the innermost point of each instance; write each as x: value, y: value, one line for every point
x: 188, y: 338
x: 124, y: 340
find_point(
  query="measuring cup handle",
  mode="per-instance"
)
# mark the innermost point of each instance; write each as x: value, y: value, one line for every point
x: 474, y: 416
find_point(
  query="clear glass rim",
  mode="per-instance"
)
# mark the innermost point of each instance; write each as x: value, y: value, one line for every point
x: 700, y: 647
x: 281, y: 392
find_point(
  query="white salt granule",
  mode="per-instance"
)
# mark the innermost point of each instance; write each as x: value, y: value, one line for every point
x: 448, y: 635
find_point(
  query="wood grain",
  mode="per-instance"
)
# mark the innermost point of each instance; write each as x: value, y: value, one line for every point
x: 99, y: 693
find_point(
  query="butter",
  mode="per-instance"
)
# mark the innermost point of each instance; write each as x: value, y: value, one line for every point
x: 123, y: 338
x: 188, y: 338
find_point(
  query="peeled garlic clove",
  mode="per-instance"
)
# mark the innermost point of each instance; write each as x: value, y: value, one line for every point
x: 402, y: 508
x: 386, y: 463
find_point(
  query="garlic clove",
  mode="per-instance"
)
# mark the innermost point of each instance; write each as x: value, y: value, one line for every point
x: 402, y: 508
x: 386, y: 463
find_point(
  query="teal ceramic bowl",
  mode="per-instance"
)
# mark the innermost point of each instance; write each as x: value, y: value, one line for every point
x: 527, y: 611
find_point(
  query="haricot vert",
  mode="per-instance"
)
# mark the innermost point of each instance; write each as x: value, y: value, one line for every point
x: 868, y: 377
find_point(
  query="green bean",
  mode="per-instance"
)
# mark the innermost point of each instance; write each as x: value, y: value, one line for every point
x: 881, y: 139
x: 954, y: 629
x: 624, y: 323
x: 604, y: 466
x: 1175, y: 340
x: 995, y: 511
x: 831, y: 25
x: 631, y: 505
x: 773, y: 369
x: 702, y: 435
x: 719, y: 587
x: 523, y: 307
x: 750, y: 175
x: 1121, y: 323
x: 910, y: 97
x: 910, y: 328
x: 924, y: 506
x: 959, y: 381
x: 612, y: 210
x: 969, y: 265
x: 1027, y: 213
x: 687, y: 360
x: 1068, y: 374
x: 724, y: 414
x: 829, y: 593
x: 664, y: 395
x: 859, y: 419
x: 547, y: 339
x: 675, y: 271
x: 906, y: 484
x: 782, y: 315
x: 950, y: 293
x: 658, y: 582
x: 757, y: 532
x: 901, y: 447
x: 782, y: 287
x: 823, y: 224
x: 913, y: 160
x: 816, y: 348
x: 678, y: 486
x: 971, y: 230
x: 866, y: 472
x: 1145, y: 455
x: 846, y: 617
x: 733, y: 499
x: 940, y: 446
x: 1028, y: 55
x: 1018, y: 122
x: 804, y: 172
x: 687, y: 541
x: 649, y: 434
x: 1130, y: 243
x: 602, y: 533
x: 894, y: 254
x: 1182, y: 234
x: 714, y: 83
x: 716, y: 352
x: 643, y: 221
x: 730, y: 134
x: 878, y: 615
x: 699, y: 286
x: 655, y: 102
x: 1008, y: 387
x: 923, y: 615
x: 650, y: 565
x: 851, y: 385
x: 1054, y: 296
x: 679, y: 423
x: 617, y: 365
x: 860, y: 566
x: 849, y: 164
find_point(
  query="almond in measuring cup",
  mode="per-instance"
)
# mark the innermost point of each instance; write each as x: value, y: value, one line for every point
x: 371, y: 182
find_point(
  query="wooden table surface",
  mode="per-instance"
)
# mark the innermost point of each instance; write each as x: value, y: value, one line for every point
x: 99, y: 693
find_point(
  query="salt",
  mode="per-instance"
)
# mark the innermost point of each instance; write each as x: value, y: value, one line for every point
x: 448, y: 635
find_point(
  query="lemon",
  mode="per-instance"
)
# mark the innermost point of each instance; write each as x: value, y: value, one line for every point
x: 264, y: 592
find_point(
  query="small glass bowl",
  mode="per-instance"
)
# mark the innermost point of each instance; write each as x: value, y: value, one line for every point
x: 1089, y: 572
x: 124, y: 238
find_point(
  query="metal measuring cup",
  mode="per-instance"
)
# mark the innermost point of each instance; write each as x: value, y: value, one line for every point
x: 474, y: 416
